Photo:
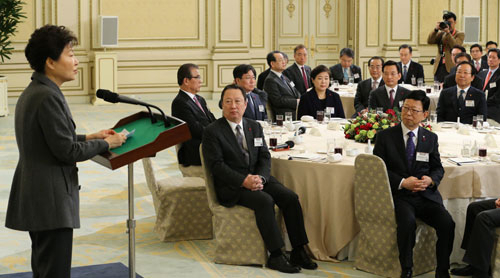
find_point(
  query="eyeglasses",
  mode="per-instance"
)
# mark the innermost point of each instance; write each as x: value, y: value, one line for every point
x: 411, y: 110
x: 464, y: 72
x: 248, y: 78
x: 195, y: 77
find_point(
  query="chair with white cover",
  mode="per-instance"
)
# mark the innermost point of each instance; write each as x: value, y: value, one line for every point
x: 237, y: 238
x: 181, y: 206
x: 189, y: 171
x: 377, y: 250
x: 495, y: 256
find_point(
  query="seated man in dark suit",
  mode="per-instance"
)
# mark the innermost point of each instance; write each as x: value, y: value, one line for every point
x: 236, y: 153
x: 391, y: 95
x: 345, y: 69
x: 491, y: 84
x: 262, y: 77
x: 411, y: 155
x: 244, y: 76
x: 282, y: 94
x: 191, y: 108
x: 411, y: 70
x: 483, y: 217
x: 462, y: 100
x: 450, y: 79
x: 299, y: 73
x: 366, y: 86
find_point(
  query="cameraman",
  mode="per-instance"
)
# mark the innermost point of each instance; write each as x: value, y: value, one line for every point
x: 445, y: 36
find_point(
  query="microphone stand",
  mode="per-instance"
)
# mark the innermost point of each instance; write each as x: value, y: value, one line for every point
x: 153, y: 119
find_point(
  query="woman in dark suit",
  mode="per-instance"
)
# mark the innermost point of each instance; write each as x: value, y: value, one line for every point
x: 44, y: 194
x: 320, y: 96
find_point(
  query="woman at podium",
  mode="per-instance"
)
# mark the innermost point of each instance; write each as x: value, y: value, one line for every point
x: 44, y: 197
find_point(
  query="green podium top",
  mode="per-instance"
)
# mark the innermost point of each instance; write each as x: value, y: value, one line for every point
x: 145, y: 133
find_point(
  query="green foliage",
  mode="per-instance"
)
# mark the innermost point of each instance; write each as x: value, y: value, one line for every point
x: 10, y: 16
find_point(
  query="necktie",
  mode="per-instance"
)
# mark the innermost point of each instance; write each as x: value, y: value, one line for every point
x: 487, y: 80
x: 239, y: 138
x: 391, y: 98
x: 410, y: 149
x: 478, y: 67
x: 346, y: 74
x: 306, y: 84
x: 374, y: 85
x: 250, y: 103
x: 198, y: 103
x: 461, y: 101
x: 405, y: 71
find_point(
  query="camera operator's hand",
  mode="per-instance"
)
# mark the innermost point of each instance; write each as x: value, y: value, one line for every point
x: 437, y: 28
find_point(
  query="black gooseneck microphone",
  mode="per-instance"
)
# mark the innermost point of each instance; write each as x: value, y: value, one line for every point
x: 112, y: 97
x: 286, y: 145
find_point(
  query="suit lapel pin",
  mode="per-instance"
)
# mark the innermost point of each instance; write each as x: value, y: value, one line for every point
x: 249, y: 129
x: 423, y: 138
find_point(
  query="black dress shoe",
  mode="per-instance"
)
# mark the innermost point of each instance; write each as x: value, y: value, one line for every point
x: 463, y: 271
x: 406, y: 273
x: 299, y: 257
x: 442, y: 273
x: 281, y: 263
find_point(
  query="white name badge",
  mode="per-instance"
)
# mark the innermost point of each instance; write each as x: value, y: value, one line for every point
x: 493, y: 85
x: 413, y: 81
x: 356, y: 75
x: 401, y: 103
x: 424, y: 157
x: 258, y: 142
x: 469, y: 103
x: 261, y: 108
x: 292, y: 84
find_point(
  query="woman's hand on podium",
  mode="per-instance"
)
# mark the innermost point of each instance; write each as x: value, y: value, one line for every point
x: 115, y: 140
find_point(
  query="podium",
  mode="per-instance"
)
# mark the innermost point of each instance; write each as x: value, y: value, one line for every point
x: 153, y: 133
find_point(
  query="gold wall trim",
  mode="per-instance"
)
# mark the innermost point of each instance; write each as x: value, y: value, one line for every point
x: 241, y: 23
x: 418, y: 25
x: 221, y: 67
x: 78, y: 12
x: 114, y: 62
x: 366, y: 23
x: 203, y: 72
x: 327, y: 48
x: 411, y: 23
x: 290, y: 8
x: 301, y: 21
x: 317, y: 21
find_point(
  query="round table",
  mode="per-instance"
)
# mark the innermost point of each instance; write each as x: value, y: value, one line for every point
x: 327, y: 194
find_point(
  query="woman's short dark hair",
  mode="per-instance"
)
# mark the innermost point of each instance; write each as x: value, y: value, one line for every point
x: 48, y: 41
x: 319, y: 69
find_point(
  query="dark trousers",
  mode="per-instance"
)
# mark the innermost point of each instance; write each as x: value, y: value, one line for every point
x: 441, y: 72
x: 410, y: 207
x: 51, y: 253
x: 479, y: 235
x: 262, y: 202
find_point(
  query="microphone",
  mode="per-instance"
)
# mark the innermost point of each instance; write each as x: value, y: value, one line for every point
x: 109, y: 96
x: 284, y: 147
x: 302, y: 130
x: 112, y: 97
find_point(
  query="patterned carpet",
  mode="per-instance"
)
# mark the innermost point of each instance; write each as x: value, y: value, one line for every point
x: 102, y: 238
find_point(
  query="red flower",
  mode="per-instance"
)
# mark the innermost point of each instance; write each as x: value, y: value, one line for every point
x: 391, y: 112
x: 362, y: 126
x: 357, y: 130
x: 369, y: 126
x: 347, y: 136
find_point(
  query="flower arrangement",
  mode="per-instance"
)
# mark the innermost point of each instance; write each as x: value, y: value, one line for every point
x: 366, y: 125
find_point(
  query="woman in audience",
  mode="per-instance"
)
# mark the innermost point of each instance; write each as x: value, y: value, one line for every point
x: 320, y: 97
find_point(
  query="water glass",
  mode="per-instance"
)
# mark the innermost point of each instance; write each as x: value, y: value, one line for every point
x: 330, y: 146
x: 466, y: 145
x: 288, y: 117
x: 380, y: 110
x: 480, y: 119
x: 335, y: 84
x: 351, y: 81
x: 320, y: 114
x: 329, y: 112
x: 433, y: 117
x: 437, y: 87
x: 482, y: 153
x: 420, y: 82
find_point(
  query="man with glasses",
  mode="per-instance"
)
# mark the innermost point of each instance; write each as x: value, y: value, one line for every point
x: 391, y: 95
x: 366, y: 86
x: 462, y: 100
x: 282, y: 94
x: 191, y: 108
x: 411, y: 155
x: 450, y: 79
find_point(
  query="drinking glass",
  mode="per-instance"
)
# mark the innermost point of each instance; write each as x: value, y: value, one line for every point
x: 433, y: 117
x: 437, y: 87
x: 482, y: 152
x: 380, y: 110
x: 329, y: 112
x: 273, y: 139
x: 288, y: 117
x: 428, y: 89
x: 351, y: 81
x: 466, y: 145
x: 279, y: 120
x: 335, y: 84
x: 480, y: 119
x: 420, y: 82
x: 474, y: 121
x: 330, y: 146
x: 320, y: 114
